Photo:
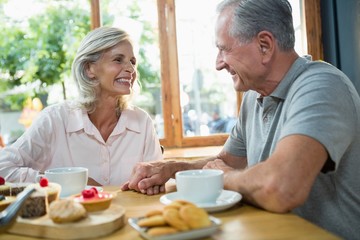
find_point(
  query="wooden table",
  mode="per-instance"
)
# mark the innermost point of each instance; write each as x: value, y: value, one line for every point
x: 239, y: 222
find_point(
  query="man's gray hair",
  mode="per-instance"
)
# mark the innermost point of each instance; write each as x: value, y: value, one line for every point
x: 253, y: 16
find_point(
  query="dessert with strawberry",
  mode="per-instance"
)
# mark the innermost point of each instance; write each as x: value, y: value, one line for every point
x: 5, y: 201
x: 4, y: 188
x: 36, y: 205
x: 93, y: 200
x: 52, y: 189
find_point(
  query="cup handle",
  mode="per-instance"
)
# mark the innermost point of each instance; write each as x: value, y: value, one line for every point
x: 39, y: 176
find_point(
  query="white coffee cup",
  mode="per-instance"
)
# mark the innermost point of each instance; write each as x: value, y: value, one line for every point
x: 200, y: 186
x: 72, y: 179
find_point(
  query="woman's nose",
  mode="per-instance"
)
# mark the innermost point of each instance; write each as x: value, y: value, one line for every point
x: 130, y: 67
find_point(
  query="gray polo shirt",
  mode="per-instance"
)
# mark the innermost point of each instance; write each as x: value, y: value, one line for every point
x: 317, y: 100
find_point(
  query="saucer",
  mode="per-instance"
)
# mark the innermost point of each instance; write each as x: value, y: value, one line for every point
x: 226, y: 200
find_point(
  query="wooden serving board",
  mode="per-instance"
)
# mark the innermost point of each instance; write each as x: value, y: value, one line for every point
x: 96, y: 224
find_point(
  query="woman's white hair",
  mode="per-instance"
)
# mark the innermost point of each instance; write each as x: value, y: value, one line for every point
x: 90, y: 50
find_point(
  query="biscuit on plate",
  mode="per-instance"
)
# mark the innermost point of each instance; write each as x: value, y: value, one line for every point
x: 195, y: 217
x: 156, y: 220
x: 153, y: 213
x: 157, y: 231
x: 177, y: 204
x: 172, y: 217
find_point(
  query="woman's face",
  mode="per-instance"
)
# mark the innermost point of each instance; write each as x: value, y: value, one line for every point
x: 115, y: 70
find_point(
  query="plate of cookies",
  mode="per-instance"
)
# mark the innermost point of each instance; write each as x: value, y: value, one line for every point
x: 178, y: 220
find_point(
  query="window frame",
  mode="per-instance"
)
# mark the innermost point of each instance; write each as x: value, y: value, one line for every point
x: 173, y: 132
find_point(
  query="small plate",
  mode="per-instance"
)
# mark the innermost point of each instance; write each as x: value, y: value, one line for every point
x: 192, y: 234
x: 226, y: 200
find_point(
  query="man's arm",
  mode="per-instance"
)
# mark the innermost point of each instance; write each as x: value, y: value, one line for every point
x: 284, y: 180
x: 150, y: 177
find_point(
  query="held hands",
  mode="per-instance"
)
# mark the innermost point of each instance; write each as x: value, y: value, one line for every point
x: 149, y: 178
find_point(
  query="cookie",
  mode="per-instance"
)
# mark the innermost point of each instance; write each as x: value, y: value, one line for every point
x: 153, y: 213
x: 195, y: 217
x: 174, y: 205
x: 158, y: 231
x: 172, y: 217
x: 156, y: 220
x: 183, y: 202
x: 177, y: 204
x: 66, y: 210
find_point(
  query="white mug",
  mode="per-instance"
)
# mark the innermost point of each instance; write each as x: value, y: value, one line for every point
x: 72, y: 179
x: 200, y: 186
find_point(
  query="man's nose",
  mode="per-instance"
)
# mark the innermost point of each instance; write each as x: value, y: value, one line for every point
x: 220, y: 64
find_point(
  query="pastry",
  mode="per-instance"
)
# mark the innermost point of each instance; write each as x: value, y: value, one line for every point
x: 5, y: 201
x: 4, y: 188
x: 93, y: 201
x: 66, y: 210
x: 53, y: 189
x: 36, y: 205
x: 16, y: 188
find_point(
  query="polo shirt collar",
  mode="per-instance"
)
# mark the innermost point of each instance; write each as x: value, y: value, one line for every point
x: 295, y: 70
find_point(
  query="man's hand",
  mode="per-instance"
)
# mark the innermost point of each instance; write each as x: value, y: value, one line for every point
x: 150, y: 177
x: 218, y: 164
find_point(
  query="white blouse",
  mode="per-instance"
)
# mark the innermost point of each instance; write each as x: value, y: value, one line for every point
x: 63, y: 135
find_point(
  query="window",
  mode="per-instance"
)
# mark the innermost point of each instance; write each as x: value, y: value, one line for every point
x: 191, y: 103
x: 192, y: 91
x: 36, y: 51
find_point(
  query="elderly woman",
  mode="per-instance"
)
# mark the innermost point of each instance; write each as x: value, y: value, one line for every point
x: 100, y: 130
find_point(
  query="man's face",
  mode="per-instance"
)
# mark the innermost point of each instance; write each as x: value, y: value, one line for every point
x: 239, y: 59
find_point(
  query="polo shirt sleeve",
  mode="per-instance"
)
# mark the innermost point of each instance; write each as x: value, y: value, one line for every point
x: 322, y: 107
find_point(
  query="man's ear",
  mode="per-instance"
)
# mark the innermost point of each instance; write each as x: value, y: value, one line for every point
x: 266, y: 42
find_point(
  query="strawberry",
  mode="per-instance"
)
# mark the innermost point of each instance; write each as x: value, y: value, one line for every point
x: 44, y: 182
x: 88, y: 193
x: 2, y: 181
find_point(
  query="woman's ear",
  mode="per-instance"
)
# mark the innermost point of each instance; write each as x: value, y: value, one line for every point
x: 90, y: 70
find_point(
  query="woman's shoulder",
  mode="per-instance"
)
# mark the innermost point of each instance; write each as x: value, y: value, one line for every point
x: 137, y: 110
x: 138, y: 113
x: 62, y: 109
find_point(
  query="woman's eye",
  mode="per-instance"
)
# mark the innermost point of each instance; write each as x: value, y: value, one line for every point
x: 119, y: 60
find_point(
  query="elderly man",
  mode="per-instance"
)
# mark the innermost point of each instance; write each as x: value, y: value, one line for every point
x: 296, y: 144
